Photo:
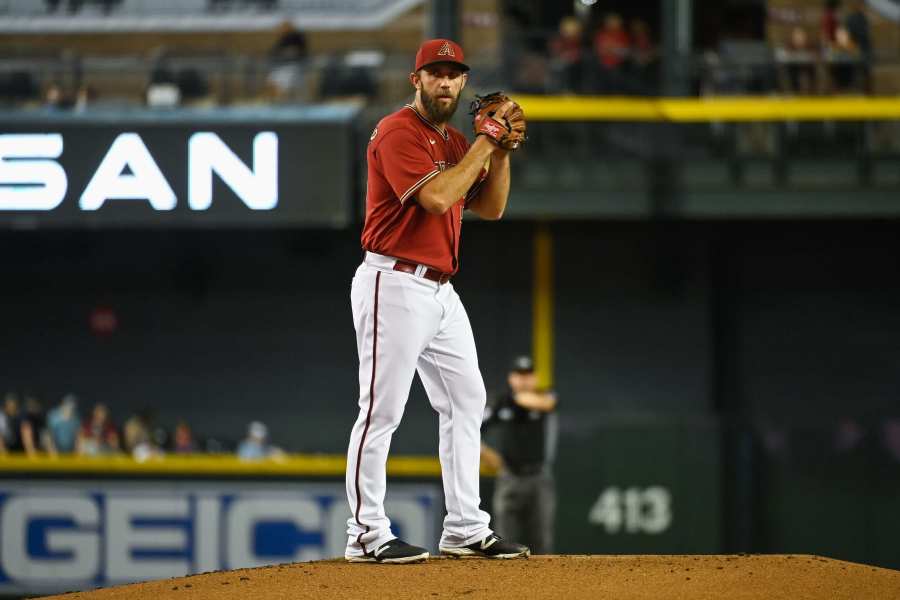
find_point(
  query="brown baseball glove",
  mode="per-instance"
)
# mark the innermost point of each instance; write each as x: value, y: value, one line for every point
x: 507, y: 131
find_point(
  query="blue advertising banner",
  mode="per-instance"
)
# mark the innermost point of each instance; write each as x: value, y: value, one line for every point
x: 74, y: 535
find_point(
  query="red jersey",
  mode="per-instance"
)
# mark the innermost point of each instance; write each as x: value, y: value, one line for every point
x: 405, y: 152
x: 612, y: 47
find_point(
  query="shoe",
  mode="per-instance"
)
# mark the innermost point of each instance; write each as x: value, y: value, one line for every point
x: 395, y: 551
x: 493, y: 546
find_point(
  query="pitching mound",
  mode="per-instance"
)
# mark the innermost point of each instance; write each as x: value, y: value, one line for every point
x: 658, y: 577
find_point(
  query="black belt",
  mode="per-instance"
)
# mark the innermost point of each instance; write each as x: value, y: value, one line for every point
x: 431, y: 274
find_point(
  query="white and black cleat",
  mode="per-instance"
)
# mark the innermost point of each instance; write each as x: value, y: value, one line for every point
x: 493, y: 546
x: 395, y: 551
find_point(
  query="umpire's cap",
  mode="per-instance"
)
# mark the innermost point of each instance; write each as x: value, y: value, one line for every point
x: 440, y: 50
x: 522, y: 364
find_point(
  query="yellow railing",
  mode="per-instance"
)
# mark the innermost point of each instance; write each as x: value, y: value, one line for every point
x: 298, y: 465
x: 731, y: 108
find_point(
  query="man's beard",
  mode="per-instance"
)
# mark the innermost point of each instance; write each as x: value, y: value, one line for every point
x: 436, y: 111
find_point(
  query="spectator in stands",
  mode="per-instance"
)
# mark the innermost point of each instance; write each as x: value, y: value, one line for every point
x: 798, y: 57
x: 84, y: 97
x: 183, y: 439
x: 843, y: 58
x: 291, y: 44
x: 63, y: 423
x: 135, y: 432
x: 98, y: 434
x: 829, y: 22
x: 256, y: 445
x: 33, y: 427
x: 611, y: 48
x: 162, y: 88
x: 857, y: 25
x: 289, y: 57
x: 54, y: 99
x: 142, y: 442
x: 566, y: 51
x: 12, y: 419
x: 644, y: 57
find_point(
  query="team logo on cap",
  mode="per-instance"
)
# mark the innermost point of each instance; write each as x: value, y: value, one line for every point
x: 446, y: 50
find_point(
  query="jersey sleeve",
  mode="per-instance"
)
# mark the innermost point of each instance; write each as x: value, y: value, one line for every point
x: 493, y: 404
x: 489, y: 417
x: 406, y: 162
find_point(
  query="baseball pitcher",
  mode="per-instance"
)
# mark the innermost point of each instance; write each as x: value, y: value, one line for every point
x: 422, y: 174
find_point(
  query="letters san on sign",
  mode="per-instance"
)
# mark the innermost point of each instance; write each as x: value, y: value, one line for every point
x: 33, y: 179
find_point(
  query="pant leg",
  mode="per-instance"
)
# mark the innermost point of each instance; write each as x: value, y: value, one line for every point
x: 449, y: 372
x: 544, y: 513
x: 509, y: 511
x: 394, y: 318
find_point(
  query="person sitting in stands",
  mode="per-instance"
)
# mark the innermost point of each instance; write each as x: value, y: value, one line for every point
x: 183, y: 439
x: 612, y: 47
x: 98, y: 435
x: 63, y: 424
x: 256, y: 445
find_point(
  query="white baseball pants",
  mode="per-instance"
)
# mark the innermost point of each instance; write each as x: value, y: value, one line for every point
x: 407, y: 324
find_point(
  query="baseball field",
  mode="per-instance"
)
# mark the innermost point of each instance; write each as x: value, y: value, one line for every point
x: 660, y: 577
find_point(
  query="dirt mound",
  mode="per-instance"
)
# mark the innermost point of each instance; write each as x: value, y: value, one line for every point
x: 694, y: 577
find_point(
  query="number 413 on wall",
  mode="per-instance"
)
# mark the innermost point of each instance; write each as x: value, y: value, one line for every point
x: 636, y: 510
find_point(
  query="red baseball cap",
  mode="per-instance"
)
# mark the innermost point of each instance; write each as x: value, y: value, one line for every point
x: 440, y: 50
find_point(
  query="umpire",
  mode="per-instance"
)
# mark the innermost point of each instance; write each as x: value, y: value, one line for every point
x: 521, y: 423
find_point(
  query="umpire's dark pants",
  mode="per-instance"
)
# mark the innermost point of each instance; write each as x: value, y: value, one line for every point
x: 524, y: 509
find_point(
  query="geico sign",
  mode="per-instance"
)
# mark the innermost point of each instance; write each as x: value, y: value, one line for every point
x: 102, y: 537
x: 32, y: 179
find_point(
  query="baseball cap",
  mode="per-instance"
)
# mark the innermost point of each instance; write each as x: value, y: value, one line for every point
x: 522, y: 364
x: 440, y: 50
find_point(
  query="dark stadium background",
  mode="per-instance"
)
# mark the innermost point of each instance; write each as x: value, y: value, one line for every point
x: 725, y: 292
